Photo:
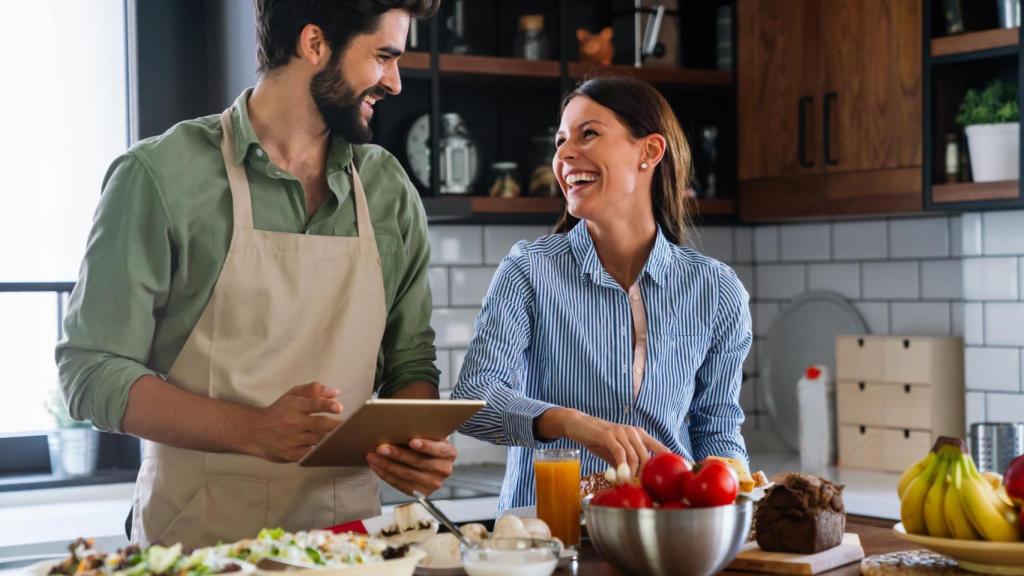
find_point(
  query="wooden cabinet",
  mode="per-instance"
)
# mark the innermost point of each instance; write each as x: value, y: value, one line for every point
x: 896, y: 395
x: 829, y: 107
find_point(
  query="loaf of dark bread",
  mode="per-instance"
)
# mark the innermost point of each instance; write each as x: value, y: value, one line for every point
x: 801, y: 513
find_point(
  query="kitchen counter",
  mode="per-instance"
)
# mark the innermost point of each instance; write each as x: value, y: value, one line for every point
x: 875, y: 535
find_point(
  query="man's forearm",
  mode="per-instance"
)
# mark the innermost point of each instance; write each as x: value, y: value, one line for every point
x: 164, y: 413
x: 418, y: 391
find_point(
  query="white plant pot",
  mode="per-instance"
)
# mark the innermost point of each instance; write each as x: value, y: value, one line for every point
x: 994, y: 151
x: 74, y: 451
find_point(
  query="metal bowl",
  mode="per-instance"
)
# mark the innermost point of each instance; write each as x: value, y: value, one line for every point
x: 695, y: 541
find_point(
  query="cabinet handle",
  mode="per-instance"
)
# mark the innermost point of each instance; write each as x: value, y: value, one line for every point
x: 802, y: 130
x: 863, y: 430
x: 906, y: 388
x: 829, y: 97
x: 860, y: 385
x: 906, y: 343
x: 906, y: 433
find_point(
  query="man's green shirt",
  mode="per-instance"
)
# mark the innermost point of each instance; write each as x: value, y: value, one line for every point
x: 162, y: 231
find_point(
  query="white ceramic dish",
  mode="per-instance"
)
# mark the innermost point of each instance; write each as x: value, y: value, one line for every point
x: 973, y: 555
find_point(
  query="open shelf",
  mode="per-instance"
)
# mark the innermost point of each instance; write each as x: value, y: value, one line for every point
x: 414, y: 60
x: 490, y: 66
x: 975, y: 42
x: 656, y: 75
x: 975, y: 191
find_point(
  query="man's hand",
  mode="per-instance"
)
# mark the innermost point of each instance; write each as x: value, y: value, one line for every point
x: 288, y: 428
x: 422, y: 467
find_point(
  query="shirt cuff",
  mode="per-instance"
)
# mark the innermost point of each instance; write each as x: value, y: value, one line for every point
x: 102, y: 397
x: 519, y: 416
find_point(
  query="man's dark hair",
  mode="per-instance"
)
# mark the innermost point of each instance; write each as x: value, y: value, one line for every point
x: 280, y: 22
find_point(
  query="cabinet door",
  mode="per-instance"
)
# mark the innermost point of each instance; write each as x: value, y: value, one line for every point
x: 778, y: 83
x: 872, y: 86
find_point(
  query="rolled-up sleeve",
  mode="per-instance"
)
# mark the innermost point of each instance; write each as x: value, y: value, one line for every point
x: 715, y: 415
x: 494, y: 361
x: 123, y: 281
x: 407, y: 349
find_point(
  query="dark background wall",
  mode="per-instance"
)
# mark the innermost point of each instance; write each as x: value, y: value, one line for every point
x: 194, y: 57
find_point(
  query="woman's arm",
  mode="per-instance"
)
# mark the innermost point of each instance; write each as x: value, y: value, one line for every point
x: 494, y: 361
x: 715, y: 413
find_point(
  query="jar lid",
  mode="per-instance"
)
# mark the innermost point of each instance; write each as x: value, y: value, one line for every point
x: 533, y: 22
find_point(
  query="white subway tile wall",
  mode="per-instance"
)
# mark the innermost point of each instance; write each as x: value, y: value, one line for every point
x: 905, y: 276
x: 860, y: 240
x: 805, y: 242
x: 900, y: 274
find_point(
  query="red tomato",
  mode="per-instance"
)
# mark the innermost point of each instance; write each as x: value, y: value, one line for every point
x: 714, y: 484
x: 674, y: 505
x: 625, y: 496
x: 662, y: 476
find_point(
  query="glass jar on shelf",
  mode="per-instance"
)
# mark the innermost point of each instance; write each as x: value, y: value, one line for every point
x: 530, y: 42
x: 505, y: 180
x: 542, y: 178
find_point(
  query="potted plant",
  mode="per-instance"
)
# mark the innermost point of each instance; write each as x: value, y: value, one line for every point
x: 74, y: 444
x: 991, y: 120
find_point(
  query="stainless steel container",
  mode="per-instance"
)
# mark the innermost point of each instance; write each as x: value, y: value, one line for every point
x: 695, y: 541
x: 1009, y: 13
x: 995, y: 444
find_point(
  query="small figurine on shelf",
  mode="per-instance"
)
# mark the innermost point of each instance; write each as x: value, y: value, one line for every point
x: 596, y: 48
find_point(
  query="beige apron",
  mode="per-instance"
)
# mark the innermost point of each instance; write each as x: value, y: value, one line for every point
x: 287, y: 309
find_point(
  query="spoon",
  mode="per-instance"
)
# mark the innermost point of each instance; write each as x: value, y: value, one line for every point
x: 444, y: 520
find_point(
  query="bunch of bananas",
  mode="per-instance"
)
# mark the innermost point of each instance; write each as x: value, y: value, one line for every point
x: 945, y: 496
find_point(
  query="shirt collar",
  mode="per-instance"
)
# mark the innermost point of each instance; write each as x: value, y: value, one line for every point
x: 582, y: 246
x: 338, y: 157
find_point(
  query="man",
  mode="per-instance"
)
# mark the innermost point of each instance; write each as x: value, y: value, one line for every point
x: 240, y: 283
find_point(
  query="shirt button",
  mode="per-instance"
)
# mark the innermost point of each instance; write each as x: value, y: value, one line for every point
x: 635, y: 297
x: 637, y: 370
x: 625, y: 409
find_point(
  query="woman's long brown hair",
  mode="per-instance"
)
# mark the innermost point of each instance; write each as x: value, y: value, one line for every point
x: 644, y: 111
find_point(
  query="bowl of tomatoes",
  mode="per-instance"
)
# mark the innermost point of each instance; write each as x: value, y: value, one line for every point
x: 678, y: 519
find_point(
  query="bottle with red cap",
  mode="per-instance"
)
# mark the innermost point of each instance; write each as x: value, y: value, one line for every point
x: 816, y: 398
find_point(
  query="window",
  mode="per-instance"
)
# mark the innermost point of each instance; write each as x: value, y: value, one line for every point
x: 64, y: 118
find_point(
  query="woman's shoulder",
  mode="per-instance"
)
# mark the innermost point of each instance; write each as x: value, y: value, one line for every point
x: 544, y: 247
x: 686, y: 257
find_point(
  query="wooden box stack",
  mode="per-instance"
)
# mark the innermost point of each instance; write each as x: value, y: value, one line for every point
x: 894, y: 396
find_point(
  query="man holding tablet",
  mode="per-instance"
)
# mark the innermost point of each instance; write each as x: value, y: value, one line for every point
x: 248, y: 273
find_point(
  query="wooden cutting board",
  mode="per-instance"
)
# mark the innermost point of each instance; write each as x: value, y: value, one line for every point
x: 753, y: 559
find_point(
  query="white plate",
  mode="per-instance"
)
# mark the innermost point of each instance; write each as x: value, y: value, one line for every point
x: 973, y: 555
x: 43, y: 568
x: 804, y: 333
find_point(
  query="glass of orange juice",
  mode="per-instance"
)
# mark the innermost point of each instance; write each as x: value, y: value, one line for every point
x: 557, y: 474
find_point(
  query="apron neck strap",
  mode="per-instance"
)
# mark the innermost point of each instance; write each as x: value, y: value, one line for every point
x: 363, y: 220
x: 241, y: 198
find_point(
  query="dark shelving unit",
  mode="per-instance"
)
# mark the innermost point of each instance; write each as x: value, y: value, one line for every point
x: 504, y: 101
x: 954, y: 64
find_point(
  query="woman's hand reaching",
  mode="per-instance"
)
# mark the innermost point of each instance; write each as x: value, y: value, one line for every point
x: 614, y: 443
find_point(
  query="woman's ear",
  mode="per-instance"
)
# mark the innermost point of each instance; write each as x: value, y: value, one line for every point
x: 653, y: 149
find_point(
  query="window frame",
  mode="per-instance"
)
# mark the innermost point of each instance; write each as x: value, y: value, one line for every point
x: 24, y: 457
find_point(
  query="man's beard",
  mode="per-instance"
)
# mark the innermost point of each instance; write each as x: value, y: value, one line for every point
x: 339, y: 106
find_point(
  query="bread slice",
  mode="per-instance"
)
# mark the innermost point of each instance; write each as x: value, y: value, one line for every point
x: 747, y: 482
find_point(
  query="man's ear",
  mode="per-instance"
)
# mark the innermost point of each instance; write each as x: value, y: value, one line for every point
x: 312, y: 46
x: 654, y: 146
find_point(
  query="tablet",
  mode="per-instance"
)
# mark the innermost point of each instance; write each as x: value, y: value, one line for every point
x: 389, y: 422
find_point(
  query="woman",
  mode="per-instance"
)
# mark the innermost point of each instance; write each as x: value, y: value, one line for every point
x: 609, y: 335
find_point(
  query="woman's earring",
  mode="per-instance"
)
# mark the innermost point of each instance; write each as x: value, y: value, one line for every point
x: 643, y: 165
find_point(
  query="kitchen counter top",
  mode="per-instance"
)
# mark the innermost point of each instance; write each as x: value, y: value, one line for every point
x: 875, y: 535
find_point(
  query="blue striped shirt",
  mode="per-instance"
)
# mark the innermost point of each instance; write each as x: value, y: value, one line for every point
x: 555, y: 329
